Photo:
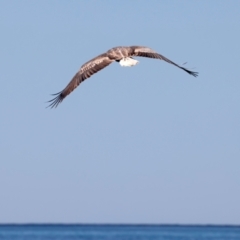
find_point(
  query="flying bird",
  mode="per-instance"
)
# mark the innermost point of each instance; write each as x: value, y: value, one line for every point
x: 123, y: 55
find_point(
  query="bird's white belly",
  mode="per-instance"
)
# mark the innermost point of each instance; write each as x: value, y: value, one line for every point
x: 128, y: 62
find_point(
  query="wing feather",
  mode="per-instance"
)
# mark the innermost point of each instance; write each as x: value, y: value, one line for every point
x: 86, y: 71
x: 148, y: 52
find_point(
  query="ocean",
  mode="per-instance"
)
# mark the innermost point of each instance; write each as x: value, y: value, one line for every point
x: 123, y: 232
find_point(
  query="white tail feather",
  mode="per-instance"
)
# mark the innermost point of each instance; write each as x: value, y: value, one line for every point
x: 128, y: 62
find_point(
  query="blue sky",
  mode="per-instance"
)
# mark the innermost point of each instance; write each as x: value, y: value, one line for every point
x: 147, y: 144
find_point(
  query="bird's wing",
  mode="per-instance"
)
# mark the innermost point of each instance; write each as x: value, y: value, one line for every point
x: 148, y: 52
x: 86, y: 71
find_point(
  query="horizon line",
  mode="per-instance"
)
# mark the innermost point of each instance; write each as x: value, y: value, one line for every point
x: 119, y: 224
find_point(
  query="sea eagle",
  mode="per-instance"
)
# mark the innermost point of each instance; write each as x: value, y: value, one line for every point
x: 123, y: 55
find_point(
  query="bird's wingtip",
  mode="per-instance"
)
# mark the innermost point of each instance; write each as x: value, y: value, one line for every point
x: 55, y: 101
x: 195, y: 74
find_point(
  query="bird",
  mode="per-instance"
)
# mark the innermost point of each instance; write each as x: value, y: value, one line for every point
x: 122, y: 55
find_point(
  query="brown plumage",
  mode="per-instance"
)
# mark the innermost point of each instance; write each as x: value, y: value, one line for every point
x: 123, y: 55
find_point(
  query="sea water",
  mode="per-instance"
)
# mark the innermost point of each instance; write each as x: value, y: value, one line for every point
x: 123, y: 232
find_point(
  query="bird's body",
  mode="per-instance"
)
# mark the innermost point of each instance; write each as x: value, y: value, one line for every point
x: 123, y: 55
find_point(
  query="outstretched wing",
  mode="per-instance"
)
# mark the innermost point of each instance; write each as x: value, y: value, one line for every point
x: 148, y: 52
x: 86, y: 71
